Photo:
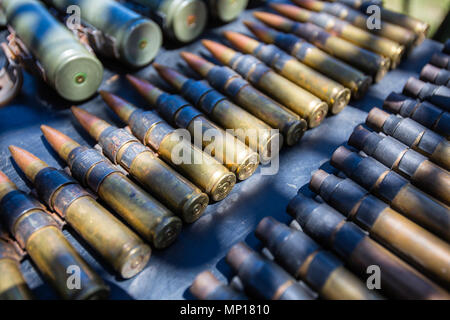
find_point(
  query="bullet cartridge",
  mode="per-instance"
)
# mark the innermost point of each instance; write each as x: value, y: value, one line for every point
x: 12, y: 283
x: 413, y: 135
x: 424, y: 113
x: 182, y: 20
x: 233, y: 153
x: 402, y: 236
x: 367, y: 61
x: 233, y: 85
x: 131, y: 38
x: 314, y: 57
x: 262, y: 278
x: 446, y: 48
x: 40, y: 235
x: 207, y: 287
x: 409, y: 163
x: 225, y: 113
x: 303, y: 258
x: 350, y: 243
x: 441, y: 60
x: 226, y: 10
x: 303, y: 103
x: 394, y: 190
x: 440, y: 77
x: 334, y: 94
x: 65, y: 63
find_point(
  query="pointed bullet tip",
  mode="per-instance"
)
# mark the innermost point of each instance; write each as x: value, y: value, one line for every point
x: 27, y: 162
x: 55, y: 138
x: 4, y: 178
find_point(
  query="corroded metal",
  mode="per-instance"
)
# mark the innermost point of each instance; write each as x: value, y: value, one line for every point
x: 440, y: 77
x: 437, y: 95
x: 207, y: 287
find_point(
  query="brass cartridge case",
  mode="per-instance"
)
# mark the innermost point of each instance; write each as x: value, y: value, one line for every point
x: 314, y: 57
x: 402, y: 236
x: 409, y: 163
x: 440, y: 77
x: 395, y: 190
x: 441, y: 60
x: 369, y: 62
x: 412, y: 134
x: 262, y: 278
x: 234, y: 86
x: 334, y: 94
x: 40, y: 235
x: 303, y: 258
x: 329, y: 228
x: 303, y: 103
x: 437, y: 95
x: 424, y: 113
x: 207, y: 287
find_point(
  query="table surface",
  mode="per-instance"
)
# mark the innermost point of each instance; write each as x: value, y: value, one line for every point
x: 204, y: 244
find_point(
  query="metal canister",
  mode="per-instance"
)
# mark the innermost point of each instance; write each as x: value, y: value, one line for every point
x: 207, y: 287
x: 226, y: 10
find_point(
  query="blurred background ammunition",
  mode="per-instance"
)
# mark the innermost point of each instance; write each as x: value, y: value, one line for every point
x: 303, y: 103
x: 65, y: 63
x: 113, y: 241
x: 440, y: 77
x: 446, y: 48
x: 234, y: 86
x: 303, y: 258
x: 395, y: 190
x: 226, y: 10
x: 183, y: 20
x: 334, y: 94
x: 128, y: 36
x: 262, y: 278
x: 410, y: 241
x: 207, y: 287
x: 312, y: 56
x: 175, y: 191
x: 409, y: 163
x: 412, y: 134
x: 329, y: 228
x: 424, y: 113
x: 437, y: 95
x: 233, y: 153
x: 369, y: 62
x: 40, y: 235
x: 441, y: 60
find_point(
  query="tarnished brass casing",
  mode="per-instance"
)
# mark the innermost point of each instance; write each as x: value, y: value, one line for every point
x: 440, y: 77
x: 207, y: 287
x: 441, y: 60
x: 437, y: 95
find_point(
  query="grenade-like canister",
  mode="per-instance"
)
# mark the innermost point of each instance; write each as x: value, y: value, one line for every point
x: 40, y: 235
x: 233, y: 153
x: 440, y: 77
x: 134, y: 39
x: 441, y: 60
x: 302, y: 102
x: 314, y: 57
x: 329, y: 228
x: 233, y: 85
x: 424, y: 113
x: 67, y: 65
x: 437, y: 95
x: 226, y: 10
x: 303, y: 258
x: 422, y: 172
x: 207, y: 287
x: 262, y: 278
x: 369, y: 62
x: 410, y: 241
x: 412, y: 134
x: 333, y: 93
x: 395, y: 190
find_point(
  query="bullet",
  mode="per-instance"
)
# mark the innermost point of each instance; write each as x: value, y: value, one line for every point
x: 446, y: 48
x: 409, y: 163
x: 175, y: 191
x: 440, y: 77
x: 413, y: 135
x: 424, y: 113
x: 65, y: 63
x: 441, y: 60
x: 334, y: 94
x: 12, y: 283
x: 303, y: 103
x: 314, y: 57
x: 226, y: 10
x: 233, y: 153
x: 131, y: 38
x: 402, y: 236
x: 182, y: 20
x: 40, y: 236
x: 394, y: 190
x: 387, y: 30
x: 303, y: 258
x: 225, y: 113
x: 329, y: 228
x: 369, y: 62
x: 262, y: 278
x: 207, y: 287
x: 233, y: 85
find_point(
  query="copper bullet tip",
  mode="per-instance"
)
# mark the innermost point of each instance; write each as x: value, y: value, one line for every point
x: 27, y: 162
x: 61, y: 143
x: 4, y: 178
x: 317, y: 179
x: 197, y: 63
x: 150, y: 92
x: 274, y: 20
x: 376, y: 119
x: 241, y: 42
x: 262, y: 32
x: 94, y: 125
x: 173, y: 77
x: 120, y: 106
x: 219, y: 51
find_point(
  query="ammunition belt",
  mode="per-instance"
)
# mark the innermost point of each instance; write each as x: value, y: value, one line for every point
x: 132, y: 151
x: 48, y: 181
x: 113, y: 139
x: 141, y: 122
x: 249, y: 66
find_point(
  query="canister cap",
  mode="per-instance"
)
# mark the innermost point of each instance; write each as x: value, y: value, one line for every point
x: 228, y: 10
x: 189, y: 20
